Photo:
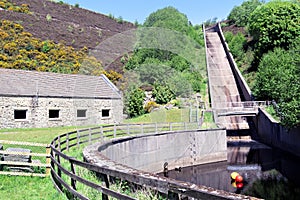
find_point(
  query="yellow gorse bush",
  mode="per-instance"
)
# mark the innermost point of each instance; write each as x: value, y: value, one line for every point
x: 20, y: 50
x: 7, y: 5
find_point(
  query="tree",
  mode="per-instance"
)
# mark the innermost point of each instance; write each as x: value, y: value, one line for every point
x: 169, y: 18
x: 278, y: 78
x: 134, y: 100
x: 239, y: 15
x: 275, y: 24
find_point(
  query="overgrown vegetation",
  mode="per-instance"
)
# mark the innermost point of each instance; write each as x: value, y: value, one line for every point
x: 163, y: 57
x: 269, y: 57
x: 20, y: 50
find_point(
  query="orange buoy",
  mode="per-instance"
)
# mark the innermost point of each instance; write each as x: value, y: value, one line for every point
x: 239, y: 179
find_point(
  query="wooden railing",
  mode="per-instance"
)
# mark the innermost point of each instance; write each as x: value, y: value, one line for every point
x: 24, y: 158
x: 66, y: 171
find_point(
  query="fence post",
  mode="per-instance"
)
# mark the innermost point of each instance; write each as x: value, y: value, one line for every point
x: 58, y: 142
x: 101, y: 133
x: 67, y: 140
x: 48, y: 160
x: 173, y: 196
x: 142, y: 128
x: 90, y: 136
x: 115, y: 130
x: 185, y: 127
x: 104, y: 178
x: 58, y: 169
x: 170, y: 126
x: 78, y: 135
x: 73, y: 182
x: 128, y: 132
x: 156, y: 129
x: 53, y: 155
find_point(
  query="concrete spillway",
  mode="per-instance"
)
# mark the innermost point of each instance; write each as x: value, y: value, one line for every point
x: 222, y: 85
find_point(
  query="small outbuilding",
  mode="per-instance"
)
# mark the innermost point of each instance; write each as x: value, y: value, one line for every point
x: 43, y: 99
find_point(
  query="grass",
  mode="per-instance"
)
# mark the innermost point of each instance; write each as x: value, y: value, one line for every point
x: 33, y: 188
x: 270, y: 109
x: 39, y: 135
x: 16, y: 187
x: 162, y: 115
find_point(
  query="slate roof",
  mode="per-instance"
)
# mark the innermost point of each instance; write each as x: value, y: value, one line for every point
x: 45, y: 84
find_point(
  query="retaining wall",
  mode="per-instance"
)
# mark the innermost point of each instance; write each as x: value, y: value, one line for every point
x: 178, y: 149
x: 272, y: 133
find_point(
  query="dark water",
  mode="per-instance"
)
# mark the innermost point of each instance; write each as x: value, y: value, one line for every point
x: 267, y: 172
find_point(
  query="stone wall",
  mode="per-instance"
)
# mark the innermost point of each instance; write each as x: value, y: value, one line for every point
x: 37, y: 111
x: 178, y: 149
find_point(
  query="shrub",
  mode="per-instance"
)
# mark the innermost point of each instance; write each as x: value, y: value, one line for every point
x: 134, y: 100
x: 162, y: 94
x: 150, y: 106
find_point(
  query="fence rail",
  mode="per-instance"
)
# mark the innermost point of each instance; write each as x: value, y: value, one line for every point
x: 24, y: 158
x: 66, y: 171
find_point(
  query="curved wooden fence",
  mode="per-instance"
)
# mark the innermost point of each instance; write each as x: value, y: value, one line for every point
x: 66, y: 171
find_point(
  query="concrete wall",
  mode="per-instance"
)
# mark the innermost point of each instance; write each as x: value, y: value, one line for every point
x: 272, y: 133
x: 242, y: 84
x: 38, y: 111
x: 179, y: 149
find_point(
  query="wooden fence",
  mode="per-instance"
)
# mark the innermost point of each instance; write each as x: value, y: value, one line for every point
x: 24, y: 158
x: 66, y: 170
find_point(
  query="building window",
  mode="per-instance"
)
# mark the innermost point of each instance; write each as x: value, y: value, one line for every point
x: 53, y: 114
x: 106, y: 113
x: 20, y: 114
x: 81, y: 113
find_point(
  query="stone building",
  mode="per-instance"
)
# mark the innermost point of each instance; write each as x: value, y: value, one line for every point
x: 42, y: 99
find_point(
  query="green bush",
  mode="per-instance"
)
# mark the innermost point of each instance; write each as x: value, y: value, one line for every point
x: 134, y: 100
x: 274, y: 24
x: 163, y: 94
x: 278, y: 78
